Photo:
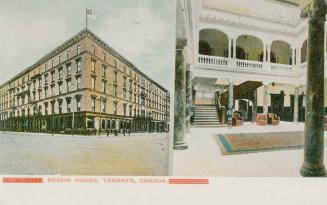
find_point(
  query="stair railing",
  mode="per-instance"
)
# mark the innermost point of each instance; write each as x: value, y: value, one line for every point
x: 221, y: 110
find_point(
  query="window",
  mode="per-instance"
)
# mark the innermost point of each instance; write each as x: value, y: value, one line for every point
x: 103, y: 105
x: 78, y: 49
x: 46, y: 78
x: 93, y: 104
x: 130, y: 96
x: 115, y: 76
x: 104, y: 56
x: 52, y: 90
x: 68, y: 54
x: 103, y: 86
x: 78, y: 65
x: 115, y: 108
x: 45, y: 92
x: 78, y: 104
x: 93, y: 66
x: 124, y: 109
x: 130, y: 84
x: 93, y: 82
x: 69, y: 105
x: 125, y: 93
x: 78, y: 82
x: 124, y: 81
x: 60, y: 106
x: 68, y: 85
x: 59, y: 59
x: 93, y: 49
x: 114, y: 92
x: 52, y: 63
x: 52, y: 76
x: 60, y: 88
x: 104, y: 69
x: 69, y: 69
x: 46, y: 108
x: 46, y: 66
x: 130, y: 110
x: 60, y: 72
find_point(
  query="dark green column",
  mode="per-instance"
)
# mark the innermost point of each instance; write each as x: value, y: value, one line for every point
x: 180, y: 97
x: 313, y: 164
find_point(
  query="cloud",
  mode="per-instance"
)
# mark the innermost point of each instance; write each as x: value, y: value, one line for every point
x: 25, y: 39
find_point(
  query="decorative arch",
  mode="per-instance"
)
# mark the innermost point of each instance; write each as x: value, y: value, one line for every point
x: 282, y: 52
x: 213, y: 42
x: 252, y: 47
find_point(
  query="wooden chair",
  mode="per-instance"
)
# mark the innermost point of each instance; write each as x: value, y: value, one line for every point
x: 273, y: 119
x: 262, y: 119
x: 237, y: 119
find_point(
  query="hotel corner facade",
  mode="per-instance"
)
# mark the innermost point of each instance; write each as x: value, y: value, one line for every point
x: 82, y: 86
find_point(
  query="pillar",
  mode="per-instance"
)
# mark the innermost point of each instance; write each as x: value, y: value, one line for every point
x: 313, y: 164
x: 229, y: 47
x: 265, y: 98
x: 234, y: 48
x: 268, y: 53
x: 293, y: 56
x: 296, y: 105
x: 230, y: 102
x: 188, y: 99
x: 180, y: 97
x: 264, y: 53
x: 254, y: 106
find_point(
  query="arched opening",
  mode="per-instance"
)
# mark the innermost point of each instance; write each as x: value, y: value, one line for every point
x: 251, y: 46
x: 304, y: 52
x: 282, y: 52
x: 213, y: 42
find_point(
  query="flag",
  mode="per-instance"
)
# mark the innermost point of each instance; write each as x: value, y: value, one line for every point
x: 90, y: 13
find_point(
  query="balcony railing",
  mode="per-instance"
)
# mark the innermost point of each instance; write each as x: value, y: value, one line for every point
x: 238, y: 64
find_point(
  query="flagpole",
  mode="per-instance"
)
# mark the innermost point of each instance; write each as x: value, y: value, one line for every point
x: 86, y: 17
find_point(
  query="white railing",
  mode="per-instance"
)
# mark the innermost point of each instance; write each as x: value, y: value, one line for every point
x: 213, y: 60
x: 221, y: 62
x: 246, y: 64
x: 281, y: 67
x: 303, y: 66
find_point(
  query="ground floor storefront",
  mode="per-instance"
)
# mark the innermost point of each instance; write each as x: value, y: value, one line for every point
x: 84, y: 123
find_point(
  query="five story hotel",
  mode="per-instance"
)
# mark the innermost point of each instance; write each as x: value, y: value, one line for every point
x: 82, y: 86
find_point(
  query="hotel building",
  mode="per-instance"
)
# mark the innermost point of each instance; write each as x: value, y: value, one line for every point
x: 82, y: 86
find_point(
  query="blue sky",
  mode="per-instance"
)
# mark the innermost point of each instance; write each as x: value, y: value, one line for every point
x: 141, y: 30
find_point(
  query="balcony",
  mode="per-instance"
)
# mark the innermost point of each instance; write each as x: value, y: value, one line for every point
x: 221, y: 63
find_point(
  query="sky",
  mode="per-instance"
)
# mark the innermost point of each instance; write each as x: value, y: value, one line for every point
x: 143, y: 31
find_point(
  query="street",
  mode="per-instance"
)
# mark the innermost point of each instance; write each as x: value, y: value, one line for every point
x: 44, y: 154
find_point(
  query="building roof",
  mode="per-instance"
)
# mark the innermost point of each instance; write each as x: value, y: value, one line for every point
x: 76, y: 38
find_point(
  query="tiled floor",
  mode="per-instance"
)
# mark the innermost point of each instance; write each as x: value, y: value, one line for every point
x: 203, y: 158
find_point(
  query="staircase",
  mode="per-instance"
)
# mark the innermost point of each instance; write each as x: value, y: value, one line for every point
x: 206, y: 116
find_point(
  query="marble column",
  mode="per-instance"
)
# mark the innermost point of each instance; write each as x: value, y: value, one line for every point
x: 180, y: 97
x: 234, y: 48
x: 229, y: 48
x: 230, y: 103
x: 296, y: 105
x: 188, y: 99
x: 254, y: 106
x: 313, y: 164
x: 268, y: 53
x: 265, y: 98
x: 293, y: 56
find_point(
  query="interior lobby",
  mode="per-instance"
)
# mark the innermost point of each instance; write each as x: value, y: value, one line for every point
x: 250, y: 88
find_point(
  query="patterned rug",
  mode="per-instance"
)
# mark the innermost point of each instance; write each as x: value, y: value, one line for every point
x: 257, y: 142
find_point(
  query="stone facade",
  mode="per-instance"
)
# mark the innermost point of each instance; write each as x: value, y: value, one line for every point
x: 82, y: 86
